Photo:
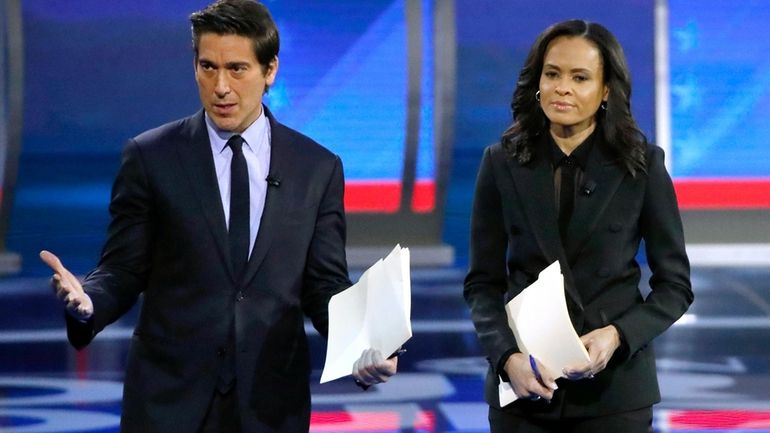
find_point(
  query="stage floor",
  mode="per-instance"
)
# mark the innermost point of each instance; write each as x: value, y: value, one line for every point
x: 714, y: 365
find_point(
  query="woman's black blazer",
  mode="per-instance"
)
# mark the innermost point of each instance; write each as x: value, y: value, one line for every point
x: 515, y: 235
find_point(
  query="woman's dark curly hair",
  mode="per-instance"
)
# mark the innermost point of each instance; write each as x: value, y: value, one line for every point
x: 623, y: 138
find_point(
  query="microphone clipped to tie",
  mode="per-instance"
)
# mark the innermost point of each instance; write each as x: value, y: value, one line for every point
x: 273, y: 180
x: 588, y: 187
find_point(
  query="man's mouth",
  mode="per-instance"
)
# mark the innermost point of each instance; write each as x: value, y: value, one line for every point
x: 225, y: 108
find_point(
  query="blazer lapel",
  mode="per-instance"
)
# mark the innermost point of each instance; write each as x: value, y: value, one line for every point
x: 280, y: 166
x: 606, y: 175
x: 195, y: 154
x: 535, y: 179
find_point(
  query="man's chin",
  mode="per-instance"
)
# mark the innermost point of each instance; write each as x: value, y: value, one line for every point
x: 224, y: 123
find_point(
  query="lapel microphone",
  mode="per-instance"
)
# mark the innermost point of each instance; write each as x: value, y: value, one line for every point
x: 273, y: 180
x: 588, y: 187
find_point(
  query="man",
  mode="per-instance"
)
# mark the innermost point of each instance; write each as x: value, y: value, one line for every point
x: 232, y: 226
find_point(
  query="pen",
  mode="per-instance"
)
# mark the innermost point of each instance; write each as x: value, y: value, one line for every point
x: 533, y: 364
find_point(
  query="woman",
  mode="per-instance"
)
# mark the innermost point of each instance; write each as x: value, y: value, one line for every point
x: 575, y: 180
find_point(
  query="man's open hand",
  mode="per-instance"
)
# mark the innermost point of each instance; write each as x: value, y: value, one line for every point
x: 68, y: 289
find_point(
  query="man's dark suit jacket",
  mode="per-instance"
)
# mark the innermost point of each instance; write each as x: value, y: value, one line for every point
x: 168, y: 240
x: 515, y: 235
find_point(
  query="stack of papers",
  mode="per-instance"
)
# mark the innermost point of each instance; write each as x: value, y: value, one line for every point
x: 540, y: 322
x: 373, y: 313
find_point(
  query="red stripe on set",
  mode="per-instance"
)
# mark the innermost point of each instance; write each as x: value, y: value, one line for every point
x: 723, y: 193
x: 689, y: 420
x: 383, y: 196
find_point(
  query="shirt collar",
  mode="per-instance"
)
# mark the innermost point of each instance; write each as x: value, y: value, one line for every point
x: 579, y: 155
x: 251, y: 136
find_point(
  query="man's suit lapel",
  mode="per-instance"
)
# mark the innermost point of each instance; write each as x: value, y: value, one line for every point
x: 536, y: 177
x: 194, y: 151
x: 280, y: 166
x: 600, y: 182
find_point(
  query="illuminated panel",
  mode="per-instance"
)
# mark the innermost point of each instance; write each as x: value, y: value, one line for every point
x: 370, y: 422
x: 343, y: 81
x: 693, y: 420
x: 424, y: 198
x: 372, y: 196
x: 424, y: 195
x: 385, y: 196
x: 723, y: 193
x: 352, y: 102
x: 720, y: 94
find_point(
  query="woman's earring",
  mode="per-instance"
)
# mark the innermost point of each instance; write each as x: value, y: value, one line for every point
x: 537, y: 96
x: 603, y: 105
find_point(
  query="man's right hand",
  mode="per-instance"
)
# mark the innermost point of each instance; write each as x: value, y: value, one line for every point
x: 68, y: 289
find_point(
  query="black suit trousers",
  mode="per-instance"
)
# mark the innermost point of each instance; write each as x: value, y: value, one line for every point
x: 222, y: 414
x: 635, y: 421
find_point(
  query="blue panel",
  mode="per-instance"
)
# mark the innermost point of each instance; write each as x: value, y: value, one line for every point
x: 720, y: 88
x: 426, y: 161
x: 355, y: 104
x: 103, y: 72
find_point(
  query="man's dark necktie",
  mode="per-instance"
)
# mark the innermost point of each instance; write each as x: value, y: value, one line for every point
x: 239, y: 207
x: 566, y: 195
x: 239, y: 248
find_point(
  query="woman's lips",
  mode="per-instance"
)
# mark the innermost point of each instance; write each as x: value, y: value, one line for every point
x: 561, y: 106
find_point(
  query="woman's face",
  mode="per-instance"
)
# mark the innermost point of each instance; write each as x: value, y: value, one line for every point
x: 572, y: 84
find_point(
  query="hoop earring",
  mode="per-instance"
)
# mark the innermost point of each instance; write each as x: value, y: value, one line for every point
x: 603, y: 105
x: 537, y: 96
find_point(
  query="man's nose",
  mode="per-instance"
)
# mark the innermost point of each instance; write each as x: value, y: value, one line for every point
x: 222, y: 87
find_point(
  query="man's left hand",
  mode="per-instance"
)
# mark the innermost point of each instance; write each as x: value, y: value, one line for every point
x: 372, y: 368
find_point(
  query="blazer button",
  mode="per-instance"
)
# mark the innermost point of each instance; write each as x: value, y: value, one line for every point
x: 239, y: 296
x: 221, y: 351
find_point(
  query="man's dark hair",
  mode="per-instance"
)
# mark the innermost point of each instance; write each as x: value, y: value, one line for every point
x: 622, y: 136
x: 245, y: 18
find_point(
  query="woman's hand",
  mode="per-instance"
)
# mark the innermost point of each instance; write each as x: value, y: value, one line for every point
x: 525, y: 382
x: 601, y: 345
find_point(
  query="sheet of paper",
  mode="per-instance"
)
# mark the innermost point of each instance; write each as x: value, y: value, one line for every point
x: 373, y: 313
x: 505, y: 392
x: 540, y: 322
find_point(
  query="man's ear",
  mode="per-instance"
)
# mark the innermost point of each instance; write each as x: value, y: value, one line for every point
x: 271, y: 72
